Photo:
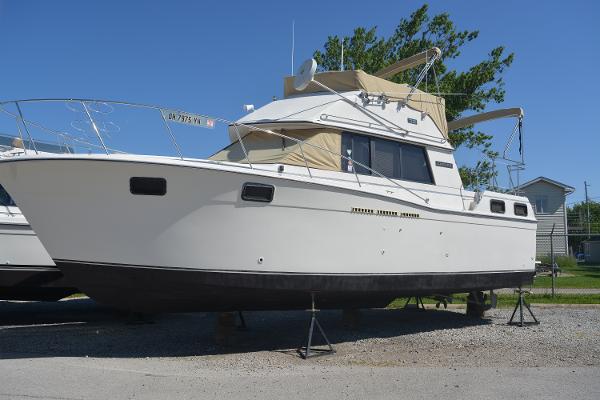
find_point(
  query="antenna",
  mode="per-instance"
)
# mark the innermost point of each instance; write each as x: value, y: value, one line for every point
x: 293, y: 42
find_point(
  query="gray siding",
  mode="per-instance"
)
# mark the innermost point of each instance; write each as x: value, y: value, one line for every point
x: 555, y: 213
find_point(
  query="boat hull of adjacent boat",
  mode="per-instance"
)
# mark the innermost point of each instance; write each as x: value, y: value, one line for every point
x: 202, y: 247
x: 27, y: 271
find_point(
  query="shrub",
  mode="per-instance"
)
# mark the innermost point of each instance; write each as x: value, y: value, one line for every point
x: 563, y: 262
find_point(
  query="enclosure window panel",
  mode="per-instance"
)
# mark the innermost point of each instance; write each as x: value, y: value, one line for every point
x: 385, y: 158
x: 356, y: 147
x: 390, y: 158
x: 415, y: 166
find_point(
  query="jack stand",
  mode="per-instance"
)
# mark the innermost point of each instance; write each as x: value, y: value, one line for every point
x: 520, y: 303
x: 419, y: 302
x: 242, y: 326
x: 308, y: 351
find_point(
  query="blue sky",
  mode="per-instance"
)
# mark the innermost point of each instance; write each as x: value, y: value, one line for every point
x: 212, y: 58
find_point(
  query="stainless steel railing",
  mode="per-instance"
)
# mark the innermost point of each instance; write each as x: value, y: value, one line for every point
x: 87, y: 105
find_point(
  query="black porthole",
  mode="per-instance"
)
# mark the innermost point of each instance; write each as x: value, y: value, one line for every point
x: 258, y: 192
x: 148, y: 186
x: 497, y: 206
x: 521, y: 209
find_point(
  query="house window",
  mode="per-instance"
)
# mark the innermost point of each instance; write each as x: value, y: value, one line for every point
x: 390, y: 158
x: 541, y: 204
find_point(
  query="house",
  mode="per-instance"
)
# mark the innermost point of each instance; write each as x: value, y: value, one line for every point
x: 548, y: 199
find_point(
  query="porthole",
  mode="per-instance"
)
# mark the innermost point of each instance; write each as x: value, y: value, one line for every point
x: 258, y: 192
x: 497, y: 206
x: 148, y: 186
x: 521, y: 209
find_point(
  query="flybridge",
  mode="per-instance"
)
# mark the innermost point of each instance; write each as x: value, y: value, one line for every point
x: 95, y: 126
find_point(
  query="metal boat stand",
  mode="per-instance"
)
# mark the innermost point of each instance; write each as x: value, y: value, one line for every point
x: 521, y: 302
x: 418, y: 301
x: 309, y: 351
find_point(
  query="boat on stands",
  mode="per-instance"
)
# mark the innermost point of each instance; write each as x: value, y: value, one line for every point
x: 345, y: 190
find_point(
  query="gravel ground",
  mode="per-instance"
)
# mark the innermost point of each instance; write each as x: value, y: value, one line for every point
x: 77, y: 349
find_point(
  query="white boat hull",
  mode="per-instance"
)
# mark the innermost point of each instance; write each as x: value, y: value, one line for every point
x: 201, y: 247
x: 26, y: 271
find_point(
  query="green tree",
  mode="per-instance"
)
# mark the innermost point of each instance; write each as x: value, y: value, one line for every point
x: 577, y: 221
x: 480, y: 84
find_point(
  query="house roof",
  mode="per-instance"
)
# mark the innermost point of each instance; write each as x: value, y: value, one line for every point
x: 568, y: 189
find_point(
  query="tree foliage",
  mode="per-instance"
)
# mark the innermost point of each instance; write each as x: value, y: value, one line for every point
x: 479, y: 85
x: 578, y: 222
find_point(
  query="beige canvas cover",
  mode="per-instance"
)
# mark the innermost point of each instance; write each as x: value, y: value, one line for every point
x: 486, y: 116
x: 265, y: 148
x: 344, y: 81
x: 408, y: 63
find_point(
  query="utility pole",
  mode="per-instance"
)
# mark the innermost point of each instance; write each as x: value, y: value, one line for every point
x: 587, y: 204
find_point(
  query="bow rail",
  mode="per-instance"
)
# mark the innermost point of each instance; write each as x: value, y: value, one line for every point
x: 95, y: 124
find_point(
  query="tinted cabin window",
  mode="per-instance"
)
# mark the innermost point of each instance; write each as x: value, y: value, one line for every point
x: 498, y: 206
x: 258, y: 192
x: 5, y: 199
x: 358, y: 148
x: 414, y: 164
x: 148, y: 186
x: 521, y: 210
x: 390, y: 158
x: 385, y: 157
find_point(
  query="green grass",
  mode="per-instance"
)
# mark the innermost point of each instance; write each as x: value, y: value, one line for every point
x: 582, y: 276
x: 509, y: 300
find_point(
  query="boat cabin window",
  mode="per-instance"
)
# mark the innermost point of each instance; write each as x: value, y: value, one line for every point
x: 148, y: 186
x: 388, y: 157
x: 498, y: 206
x: 258, y: 192
x: 358, y: 148
x: 521, y: 209
x: 5, y: 199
